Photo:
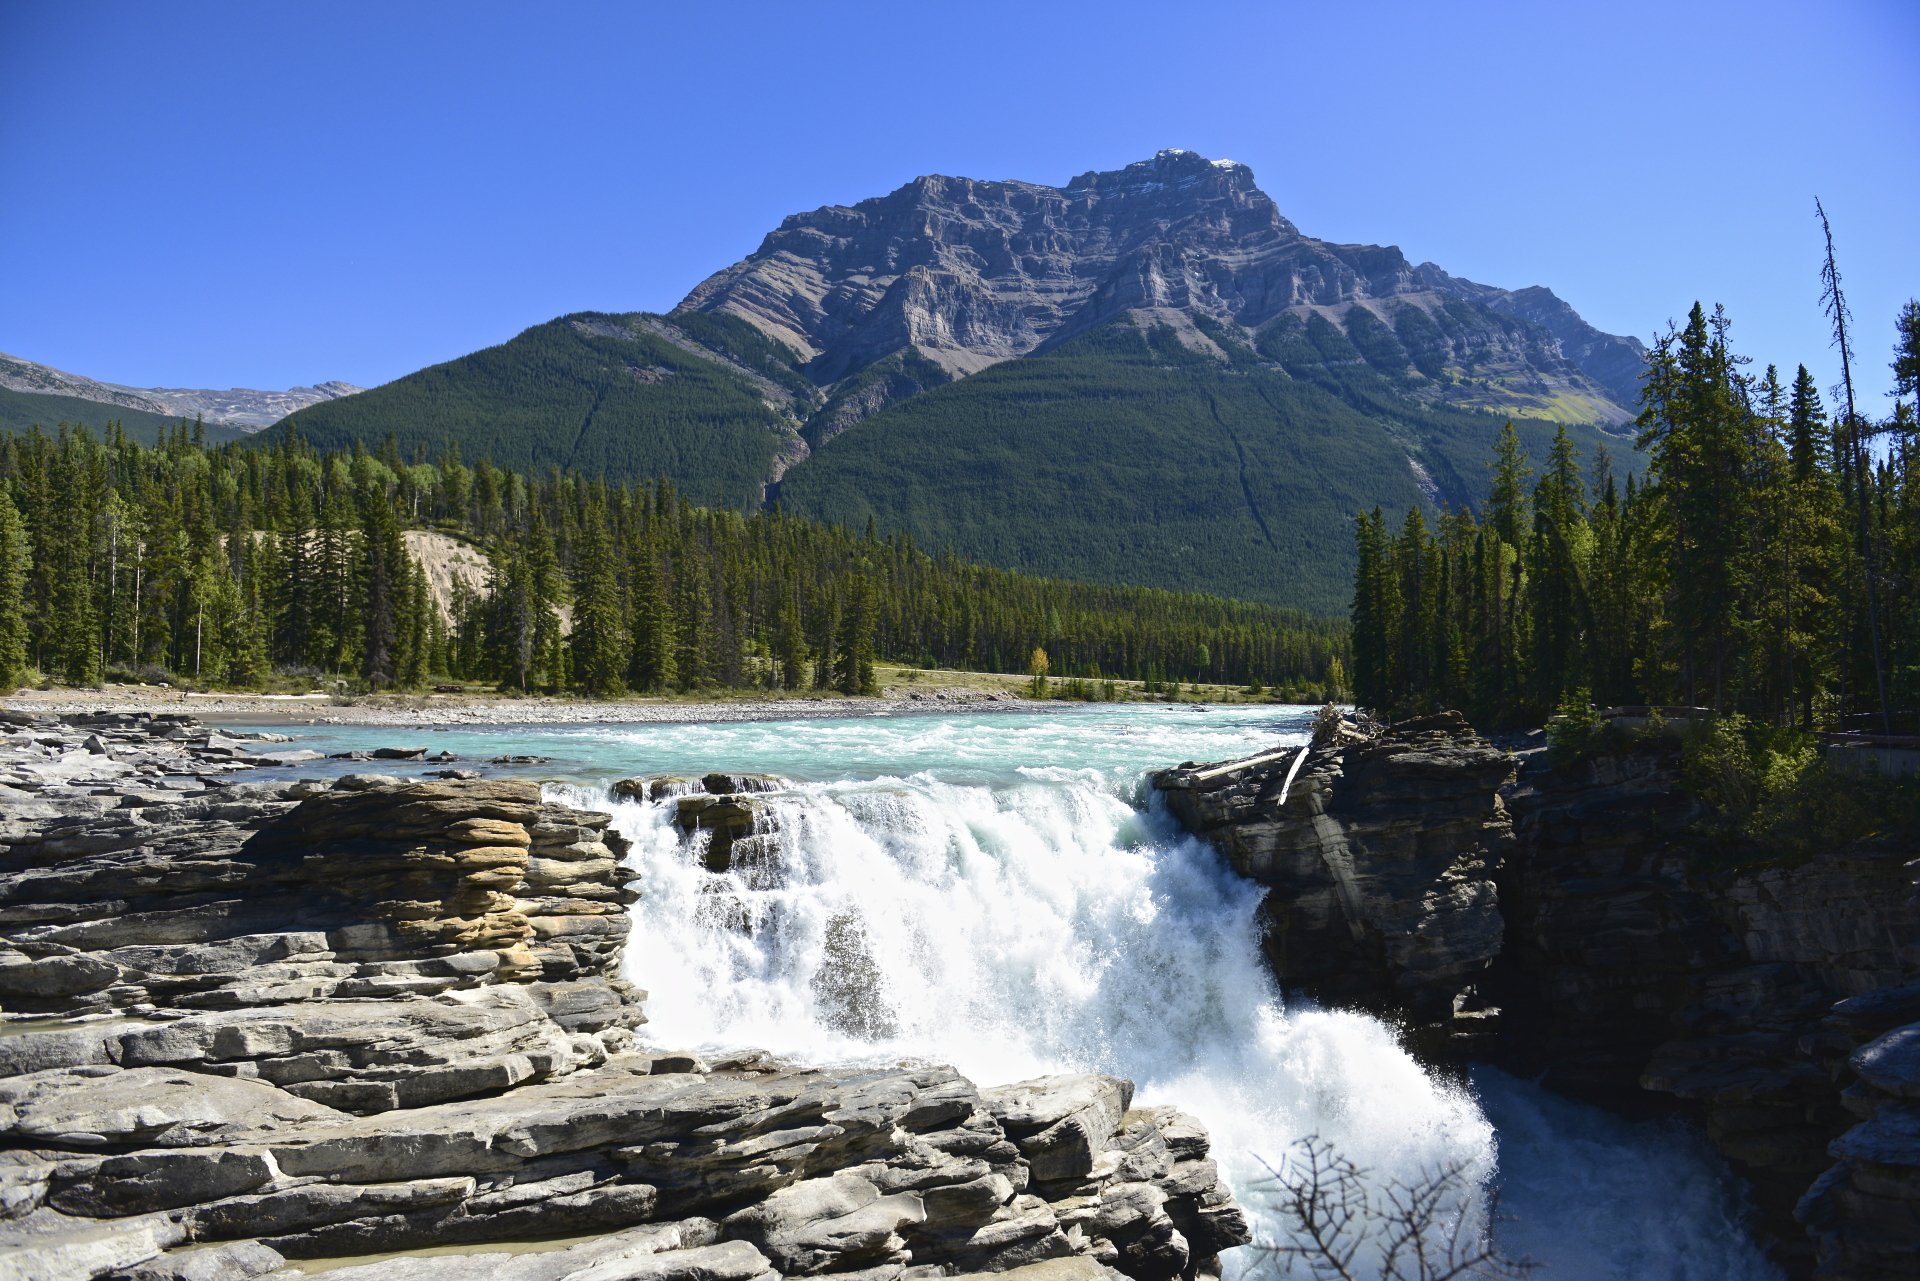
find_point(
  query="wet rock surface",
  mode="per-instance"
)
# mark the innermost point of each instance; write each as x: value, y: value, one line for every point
x: 248, y: 1029
x: 727, y: 808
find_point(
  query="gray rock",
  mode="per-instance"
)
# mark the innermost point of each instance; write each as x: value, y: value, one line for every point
x: 1378, y: 856
x: 836, y: 1223
x: 1891, y: 1063
x: 141, y: 1182
x: 59, y: 1249
x: 962, y: 273
x: 1061, y: 1124
x: 228, y: 1261
x: 385, y: 1016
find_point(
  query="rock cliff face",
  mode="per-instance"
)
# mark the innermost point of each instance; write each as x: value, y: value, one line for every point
x: 249, y: 1023
x: 1775, y: 1004
x: 1636, y: 966
x: 965, y: 273
x: 1378, y: 857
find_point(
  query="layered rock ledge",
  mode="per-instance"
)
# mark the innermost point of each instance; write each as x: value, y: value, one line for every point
x: 1565, y: 920
x: 253, y: 1026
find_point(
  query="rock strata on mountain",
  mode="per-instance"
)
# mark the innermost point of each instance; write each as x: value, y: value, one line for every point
x: 252, y: 1024
x: 1147, y: 375
x: 965, y: 273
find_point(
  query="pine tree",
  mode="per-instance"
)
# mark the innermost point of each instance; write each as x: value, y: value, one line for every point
x: 651, y: 667
x: 854, y: 674
x: 1855, y: 466
x: 1561, y: 546
x: 791, y: 647
x: 415, y: 660
x: 1507, y: 512
x: 387, y: 594
x: 692, y: 624
x: 601, y: 646
x: 1805, y: 418
x: 547, y: 587
x: 16, y: 562
x: 1373, y: 684
x: 827, y: 651
x: 73, y: 651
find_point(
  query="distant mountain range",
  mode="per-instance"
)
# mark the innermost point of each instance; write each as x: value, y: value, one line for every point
x: 1147, y: 375
x: 238, y: 407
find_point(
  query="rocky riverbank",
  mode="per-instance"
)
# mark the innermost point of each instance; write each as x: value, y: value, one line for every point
x: 253, y: 1029
x: 483, y: 709
x: 1564, y: 920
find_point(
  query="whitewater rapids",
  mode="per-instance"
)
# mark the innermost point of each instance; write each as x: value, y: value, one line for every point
x: 1016, y: 920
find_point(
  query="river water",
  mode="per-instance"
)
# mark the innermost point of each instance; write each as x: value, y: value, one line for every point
x: 1001, y: 892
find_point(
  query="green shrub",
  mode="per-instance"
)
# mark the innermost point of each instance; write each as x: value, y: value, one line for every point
x: 1770, y: 789
x: 1576, y: 730
x: 1718, y: 766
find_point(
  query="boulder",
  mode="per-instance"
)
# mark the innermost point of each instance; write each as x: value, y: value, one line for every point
x: 1061, y: 1124
x: 836, y: 1224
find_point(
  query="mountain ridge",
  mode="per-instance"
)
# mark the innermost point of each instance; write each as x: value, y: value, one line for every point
x: 245, y: 408
x: 966, y: 273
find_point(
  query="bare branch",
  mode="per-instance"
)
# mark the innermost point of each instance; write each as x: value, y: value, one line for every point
x: 1343, y: 1224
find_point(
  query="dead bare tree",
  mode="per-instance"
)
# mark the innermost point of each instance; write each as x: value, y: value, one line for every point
x: 1856, y: 455
x: 1346, y: 1225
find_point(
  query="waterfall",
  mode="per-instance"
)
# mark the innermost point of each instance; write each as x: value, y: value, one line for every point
x: 1055, y: 919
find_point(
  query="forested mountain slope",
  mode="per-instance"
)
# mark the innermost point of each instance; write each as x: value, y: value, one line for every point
x: 625, y: 397
x: 1145, y: 376
x: 1158, y: 465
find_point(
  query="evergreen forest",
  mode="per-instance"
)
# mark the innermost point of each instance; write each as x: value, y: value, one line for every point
x: 1766, y: 566
x: 236, y: 565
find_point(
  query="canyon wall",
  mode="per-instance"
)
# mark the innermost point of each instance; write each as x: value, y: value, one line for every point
x: 1567, y: 920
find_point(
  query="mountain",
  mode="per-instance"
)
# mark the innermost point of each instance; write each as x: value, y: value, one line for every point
x: 967, y: 274
x: 237, y: 407
x: 1148, y: 375
x: 20, y: 411
x: 706, y: 400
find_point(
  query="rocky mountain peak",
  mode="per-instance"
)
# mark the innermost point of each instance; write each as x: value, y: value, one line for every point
x: 966, y: 273
x: 1181, y: 175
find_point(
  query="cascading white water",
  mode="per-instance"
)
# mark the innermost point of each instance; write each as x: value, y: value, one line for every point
x: 1050, y: 919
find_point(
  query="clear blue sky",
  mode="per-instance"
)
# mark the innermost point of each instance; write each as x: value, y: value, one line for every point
x: 206, y: 194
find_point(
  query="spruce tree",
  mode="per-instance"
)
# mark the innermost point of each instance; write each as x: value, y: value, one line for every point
x: 16, y: 561
x: 651, y: 667
x: 1561, y: 543
x: 546, y: 584
x: 791, y: 647
x: 826, y: 651
x: 601, y: 645
x: 384, y: 593
x: 854, y: 673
